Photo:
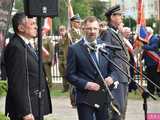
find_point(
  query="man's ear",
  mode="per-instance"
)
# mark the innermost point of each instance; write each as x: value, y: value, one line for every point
x: 21, y: 28
x: 111, y: 17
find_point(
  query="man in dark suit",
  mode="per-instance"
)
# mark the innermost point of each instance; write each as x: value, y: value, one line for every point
x: 22, y: 101
x: 114, y: 37
x: 91, y: 98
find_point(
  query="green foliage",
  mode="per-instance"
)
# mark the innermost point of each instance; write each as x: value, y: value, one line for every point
x: 3, y: 88
x: 130, y: 22
x: 19, y: 5
x: 3, y: 117
x: 98, y: 9
x: 155, y: 24
x: 58, y: 93
x: 83, y: 7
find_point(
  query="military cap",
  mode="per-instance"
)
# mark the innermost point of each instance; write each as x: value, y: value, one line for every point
x: 113, y: 10
x: 76, y: 17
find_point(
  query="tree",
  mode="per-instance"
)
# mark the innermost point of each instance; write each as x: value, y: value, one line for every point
x: 130, y: 22
x: 98, y: 8
x: 19, y: 5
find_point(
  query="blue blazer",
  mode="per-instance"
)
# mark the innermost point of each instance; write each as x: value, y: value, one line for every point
x: 152, y: 46
x: 81, y: 69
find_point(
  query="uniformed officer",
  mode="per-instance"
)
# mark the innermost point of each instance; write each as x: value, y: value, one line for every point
x: 62, y: 48
x: 76, y: 34
x: 47, y: 54
x: 113, y: 37
x: 75, y: 28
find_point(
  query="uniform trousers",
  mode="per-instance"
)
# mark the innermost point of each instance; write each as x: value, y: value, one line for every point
x: 120, y: 96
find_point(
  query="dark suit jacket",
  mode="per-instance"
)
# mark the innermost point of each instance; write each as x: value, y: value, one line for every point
x: 112, y: 38
x: 23, y: 83
x: 80, y: 69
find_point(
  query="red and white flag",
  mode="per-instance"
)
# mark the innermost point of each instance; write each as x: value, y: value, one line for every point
x: 47, y: 25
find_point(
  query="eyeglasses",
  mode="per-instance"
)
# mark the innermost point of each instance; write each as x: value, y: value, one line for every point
x: 90, y: 29
x: 120, y: 14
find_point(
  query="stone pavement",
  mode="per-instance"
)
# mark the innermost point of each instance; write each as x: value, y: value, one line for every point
x: 62, y: 109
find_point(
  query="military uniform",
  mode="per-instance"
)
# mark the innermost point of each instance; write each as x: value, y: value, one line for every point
x: 62, y: 47
x: 47, y: 59
x: 113, y: 37
x: 75, y: 35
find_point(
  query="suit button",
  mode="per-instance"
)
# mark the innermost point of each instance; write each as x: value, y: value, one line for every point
x: 95, y: 72
x: 103, y: 90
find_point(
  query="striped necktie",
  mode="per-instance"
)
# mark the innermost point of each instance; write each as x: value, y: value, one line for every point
x: 32, y: 49
x: 93, y: 54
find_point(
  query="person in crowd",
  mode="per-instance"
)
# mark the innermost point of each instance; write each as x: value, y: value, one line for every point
x: 126, y: 33
x: 75, y: 28
x: 47, y: 55
x: 76, y: 34
x: 62, y: 47
x: 103, y: 28
x: 82, y: 73
x: 114, y: 37
x: 21, y: 62
x: 152, y: 67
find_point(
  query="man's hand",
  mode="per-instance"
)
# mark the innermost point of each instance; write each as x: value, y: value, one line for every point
x: 109, y: 81
x: 92, y: 86
x: 28, y: 117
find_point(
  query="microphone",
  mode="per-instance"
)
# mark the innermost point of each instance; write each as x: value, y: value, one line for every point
x: 91, y: 47
x: 112, y: 47
x: 104, y: 45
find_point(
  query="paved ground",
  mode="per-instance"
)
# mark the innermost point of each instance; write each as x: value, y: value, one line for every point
x: 63, y: 111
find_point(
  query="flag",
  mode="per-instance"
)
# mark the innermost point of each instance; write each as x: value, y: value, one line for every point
x: 154, y: 56
x: 141, y: 38
x: 141, y: 24
x: 70, y: 14
x: 47, y: 25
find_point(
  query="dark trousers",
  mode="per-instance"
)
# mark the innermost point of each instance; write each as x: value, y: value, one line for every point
x: 154, y: 76
x: 120, y: 95
x: 86, y: 112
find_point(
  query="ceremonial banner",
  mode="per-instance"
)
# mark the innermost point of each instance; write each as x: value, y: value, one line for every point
x: 47, y: 27
x: 141, y: 37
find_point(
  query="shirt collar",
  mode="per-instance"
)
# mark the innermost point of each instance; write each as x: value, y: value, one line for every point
x: 26, y: 40
x: 86, y: 41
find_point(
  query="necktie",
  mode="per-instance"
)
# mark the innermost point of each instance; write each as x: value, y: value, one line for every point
x: 93, y: 54
x: 32, y: 49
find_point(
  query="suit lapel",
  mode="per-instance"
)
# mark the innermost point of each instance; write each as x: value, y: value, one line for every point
x: 85, y: 50
x: 120, y: 39
x: 32, y: 53
x: 25, y: 46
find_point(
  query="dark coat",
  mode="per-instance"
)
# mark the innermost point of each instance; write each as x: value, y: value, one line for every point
x: 23, y: 82
x: 80, y: 69
x: 112, y: 38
